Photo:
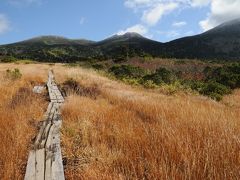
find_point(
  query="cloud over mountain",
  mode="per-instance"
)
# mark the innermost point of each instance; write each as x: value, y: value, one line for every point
x: 221, y: 11
x: 4, y: 24
x: 138, y: 28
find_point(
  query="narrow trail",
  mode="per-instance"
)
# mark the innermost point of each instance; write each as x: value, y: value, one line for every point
x: 45, y: 159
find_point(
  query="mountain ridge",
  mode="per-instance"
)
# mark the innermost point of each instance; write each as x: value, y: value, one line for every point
x: 221, y: 42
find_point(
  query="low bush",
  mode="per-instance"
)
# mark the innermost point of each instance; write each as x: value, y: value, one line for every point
x: 127, y: 71
x: 119, y: 59
x: 161, y: 75
x: 215, y: 90
x: 13, y: 74
x: 7, y: 59
x: 98, y: 66
x: 71, y: 86
x: 226, y: 75
x: 218, y: 82
x: 149, y: 84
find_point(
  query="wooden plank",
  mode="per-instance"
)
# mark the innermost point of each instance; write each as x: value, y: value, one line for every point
x: 40, y: 164
x: 45, y: 161
x: 50, y: 137
x: 50, y: 106
x: 53, y: 111
x: 57, y: 166
x: 39, y: 136
x: 43, y: 126
x: 31, y: 164
x: 48, y: 165
x: 45, y: 135
x: 47, y: 132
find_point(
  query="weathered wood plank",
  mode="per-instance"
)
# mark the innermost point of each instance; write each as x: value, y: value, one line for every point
x: 57, y: 166
x: 48, y: 165
x: 50, y: 106
x: 31, y: 165
x: 40, y: 164
x: 45, y: 135
x: 49, y: 138
x: 45, y: 161
x: 39, y: 136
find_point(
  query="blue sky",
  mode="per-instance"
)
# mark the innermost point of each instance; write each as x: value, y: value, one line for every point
x: 162, y: 20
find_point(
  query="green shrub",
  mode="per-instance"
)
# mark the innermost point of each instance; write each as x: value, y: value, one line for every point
x: 13, y: 74
x: 215, y: 90
x: 131, y: 81
x: 98, y: 66
x: 194, y: 85
x: 227, y: 75
x: 27, y: 61
x: 161, y: 75
x: 7, y: 59
x: 149, y: 84
x: 215, y: 87
x: 127, y: 71
x: 216, y: 96
x: 212, y: 89
x: 119, y: 59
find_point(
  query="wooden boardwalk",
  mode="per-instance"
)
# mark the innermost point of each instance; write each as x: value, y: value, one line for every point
x: 45, y: 160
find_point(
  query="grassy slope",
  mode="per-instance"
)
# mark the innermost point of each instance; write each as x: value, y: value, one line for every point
x: 125, y: 132
x: 19, y: 111
x: 136, y: 134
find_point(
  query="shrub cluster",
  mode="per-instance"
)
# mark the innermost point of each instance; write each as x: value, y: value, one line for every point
x: 226, y: 75
x: 13, y: 74
x: 218, y: 82
x: 161, y: 76
x: 7, y: 59
x: 211, y: 88
x: 136, y: 75
x: 127, y: 71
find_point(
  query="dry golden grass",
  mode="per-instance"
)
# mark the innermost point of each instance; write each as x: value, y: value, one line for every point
x: 126, y: 132
x: 130, y: 133
x: 20, y: 109
x: 233, y: 100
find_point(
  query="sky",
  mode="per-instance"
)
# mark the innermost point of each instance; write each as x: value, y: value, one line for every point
x: 161, y: 20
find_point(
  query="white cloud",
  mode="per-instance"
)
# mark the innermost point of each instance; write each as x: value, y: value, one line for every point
x: 137, y: 3
x: 151, y: 12
x: 151, y: 3
x: 4, y: 24
x: 138, y: 28
x: 152, y: 16
x: 221, y: 11
x: 82, y: 20
x: 179, y: 24
x: 197, y: 3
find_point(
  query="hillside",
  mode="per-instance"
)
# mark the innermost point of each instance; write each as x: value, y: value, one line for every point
x: 112, y: 130
x: 222, y: 42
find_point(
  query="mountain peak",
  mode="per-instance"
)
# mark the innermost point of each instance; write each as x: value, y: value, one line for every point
x: 132, y: 34
x: 229, y: 27
x: 57, y: 40
x: 233, y: 22
x: 47, y: 37
x: 125, y: 36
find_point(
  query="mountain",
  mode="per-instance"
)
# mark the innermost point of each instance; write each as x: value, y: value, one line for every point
x: 55, y: 40
x: 131, y: 44
x: 221, y: 42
